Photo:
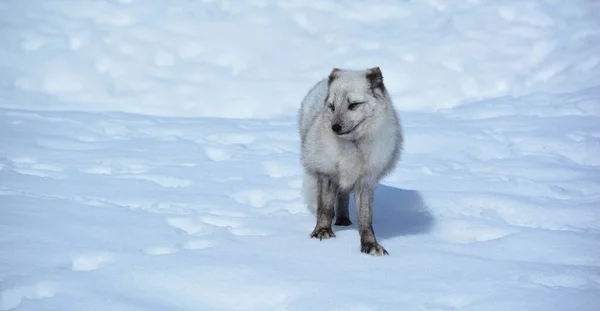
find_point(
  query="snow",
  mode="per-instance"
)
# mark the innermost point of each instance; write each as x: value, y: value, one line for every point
x: 256, y: 58
x: 149, y: 156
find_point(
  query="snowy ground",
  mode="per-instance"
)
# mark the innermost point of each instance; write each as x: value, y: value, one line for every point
x: 124, y: 187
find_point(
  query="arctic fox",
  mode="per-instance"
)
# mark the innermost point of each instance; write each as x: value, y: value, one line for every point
x: 351, y: 138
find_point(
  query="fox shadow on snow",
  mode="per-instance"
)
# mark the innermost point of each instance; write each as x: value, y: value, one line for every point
x: 396, y: 212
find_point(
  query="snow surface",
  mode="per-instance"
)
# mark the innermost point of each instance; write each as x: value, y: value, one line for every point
x: 149, y: 157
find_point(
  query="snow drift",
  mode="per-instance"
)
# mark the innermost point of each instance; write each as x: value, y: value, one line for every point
x: 255, y: 59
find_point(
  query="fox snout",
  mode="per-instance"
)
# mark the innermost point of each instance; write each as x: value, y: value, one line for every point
x: 336, y: 128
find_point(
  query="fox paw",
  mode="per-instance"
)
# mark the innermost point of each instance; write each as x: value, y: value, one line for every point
x: 343, y: 222
x: 373, y: 249
x: 322, y: 233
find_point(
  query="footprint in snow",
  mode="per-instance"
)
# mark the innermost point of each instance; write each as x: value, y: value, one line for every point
x: 217, y: 154
x: 91, y: 261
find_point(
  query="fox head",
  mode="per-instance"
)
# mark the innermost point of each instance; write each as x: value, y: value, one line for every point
x: 355, y: 102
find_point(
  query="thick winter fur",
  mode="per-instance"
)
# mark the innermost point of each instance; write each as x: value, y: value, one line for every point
x: 351, y: 138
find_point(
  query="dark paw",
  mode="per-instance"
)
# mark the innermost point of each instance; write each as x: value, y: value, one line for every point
x: 373, y: 249
x: 322, y: 233
x: 343, y: 222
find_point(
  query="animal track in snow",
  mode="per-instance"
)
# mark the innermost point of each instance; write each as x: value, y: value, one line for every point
x: 13, y: 297
x: 89, y: 262
x: 217, y: 154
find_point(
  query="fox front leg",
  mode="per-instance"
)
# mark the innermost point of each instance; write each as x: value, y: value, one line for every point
x: 327, y: 190
x: 364, y: 201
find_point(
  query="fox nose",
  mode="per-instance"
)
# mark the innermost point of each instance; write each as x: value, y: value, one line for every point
x: 336, y: 128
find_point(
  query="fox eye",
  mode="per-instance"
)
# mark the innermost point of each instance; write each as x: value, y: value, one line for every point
x: 353, y: 106
x: 331, y: 107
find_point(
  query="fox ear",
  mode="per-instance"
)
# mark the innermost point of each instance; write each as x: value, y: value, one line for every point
x: 375, y: 77
x: 333, y: 74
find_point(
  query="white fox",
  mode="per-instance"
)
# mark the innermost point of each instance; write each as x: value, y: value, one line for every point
x: 351, y: 138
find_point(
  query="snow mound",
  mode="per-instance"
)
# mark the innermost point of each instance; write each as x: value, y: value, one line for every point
x: 256, y: 59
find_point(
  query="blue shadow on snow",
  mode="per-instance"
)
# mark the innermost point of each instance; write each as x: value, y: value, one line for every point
x: 396, y: 212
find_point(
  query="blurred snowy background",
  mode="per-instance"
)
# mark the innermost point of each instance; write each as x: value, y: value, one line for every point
x: 149, y: 155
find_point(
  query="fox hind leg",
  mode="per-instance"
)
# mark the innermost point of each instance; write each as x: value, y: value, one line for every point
x: 342, y: 214
x: 310, y: 192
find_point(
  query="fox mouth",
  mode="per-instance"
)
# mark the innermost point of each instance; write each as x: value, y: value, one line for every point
x: 352, y: 129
